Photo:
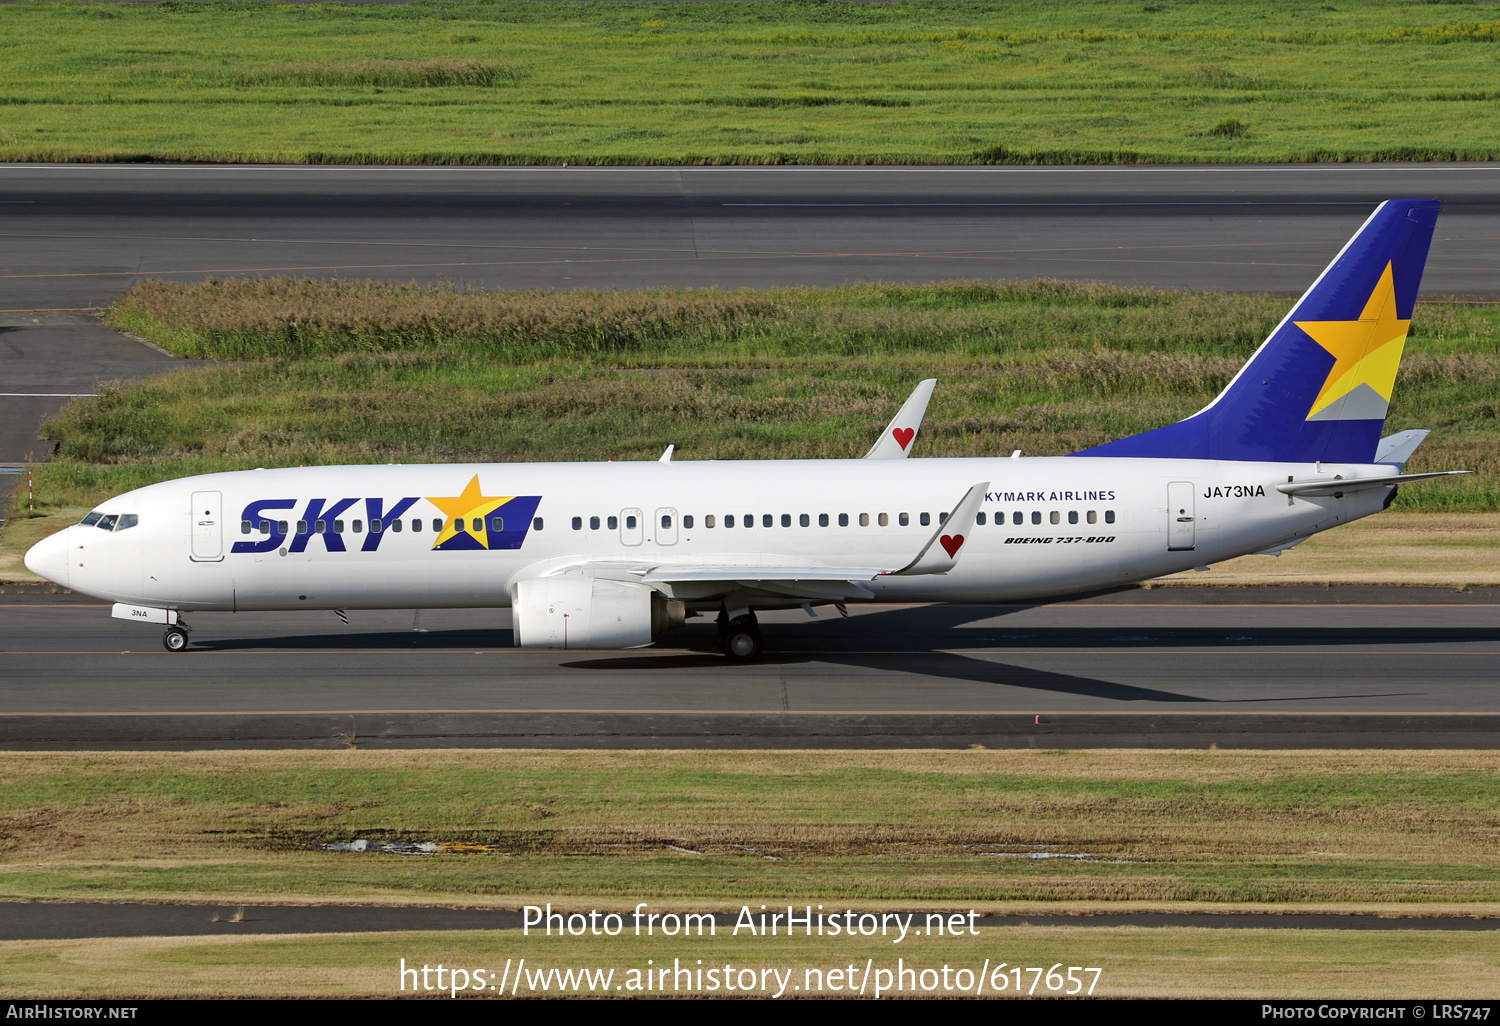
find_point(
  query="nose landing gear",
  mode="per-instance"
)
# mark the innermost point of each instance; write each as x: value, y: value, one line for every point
x: 176, y: 637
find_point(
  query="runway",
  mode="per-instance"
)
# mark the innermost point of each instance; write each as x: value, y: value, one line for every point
x: 1293, y: 668
x: 75, y: 235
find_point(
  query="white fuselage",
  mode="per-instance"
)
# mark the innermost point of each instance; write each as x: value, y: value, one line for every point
x: 1086, y: 523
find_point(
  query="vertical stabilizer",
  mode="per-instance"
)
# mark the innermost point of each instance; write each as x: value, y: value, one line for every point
x: 1319, y: 386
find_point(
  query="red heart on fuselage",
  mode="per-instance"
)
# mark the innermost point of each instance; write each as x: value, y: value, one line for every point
x: 903, y: 436
x: 952, y: 543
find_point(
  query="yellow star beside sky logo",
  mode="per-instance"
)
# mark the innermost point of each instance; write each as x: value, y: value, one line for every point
x: 1366, y: 352
x: 473, y: 505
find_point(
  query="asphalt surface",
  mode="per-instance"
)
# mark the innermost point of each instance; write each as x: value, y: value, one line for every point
x: 72, y: 236
x: 75, y: 235
x: 1161, y: 668
x: 63, y: 921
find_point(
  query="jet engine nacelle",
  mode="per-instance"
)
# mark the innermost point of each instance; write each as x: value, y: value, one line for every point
x: 584, y: 612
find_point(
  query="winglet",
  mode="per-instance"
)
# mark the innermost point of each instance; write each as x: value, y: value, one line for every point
x: 666, y: 457
x: 896, y: 441
x: 940, y: 554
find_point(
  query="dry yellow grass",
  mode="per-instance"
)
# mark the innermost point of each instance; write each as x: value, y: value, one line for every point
x: 1451, y: 550
x: 1136, y: 962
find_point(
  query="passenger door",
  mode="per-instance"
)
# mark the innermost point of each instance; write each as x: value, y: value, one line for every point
x: 1181, y: 520
x: 208, y: 527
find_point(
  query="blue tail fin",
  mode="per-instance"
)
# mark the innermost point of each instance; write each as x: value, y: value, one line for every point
x: 1318, y: 387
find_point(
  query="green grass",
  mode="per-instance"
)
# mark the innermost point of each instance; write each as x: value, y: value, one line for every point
x: 1391, y: 830
x: 339, y: 372
x: 772, y: 83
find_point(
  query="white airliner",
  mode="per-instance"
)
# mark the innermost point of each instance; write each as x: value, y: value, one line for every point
x: 610, y: 555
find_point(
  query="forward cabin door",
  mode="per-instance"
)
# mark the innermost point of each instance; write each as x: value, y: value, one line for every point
x: 208, y: 526
x: 1181, y: 519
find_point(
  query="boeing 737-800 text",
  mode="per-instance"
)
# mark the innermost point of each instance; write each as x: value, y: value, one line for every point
x: 610, y: 555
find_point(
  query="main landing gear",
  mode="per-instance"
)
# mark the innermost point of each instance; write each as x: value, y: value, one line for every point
x: 176, y: 637
x: 740, y: 637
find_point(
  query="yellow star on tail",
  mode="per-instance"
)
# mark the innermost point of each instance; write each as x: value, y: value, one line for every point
x: 1366, y: 351
x: 472, y: 504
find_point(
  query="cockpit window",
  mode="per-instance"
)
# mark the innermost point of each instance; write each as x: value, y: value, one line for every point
x: 107, y: 523
x: 91, y: 519
x: 127, y: 521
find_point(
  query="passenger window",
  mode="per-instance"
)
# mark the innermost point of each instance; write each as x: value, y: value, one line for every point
x: 804, y: 520
x: 321, y: 526
x: 593, y: 523
x: 885, y: 520
x: 1072, y: 516
x: 108, y: 523
x: 1056, y: 517
x: 729, y: 520
x: 458, y: 525
x: 338, y: 527
x: 786, y: 519
x: 980, y: 520
x: 578, y: 523
x: 612, y: 523
x: 497, y: 524
x: 904, y: 519
x: 748, y: 520
x: 359, y: 527
x: 1093, y: 516
x: 708, y: 521
x: 437, y: 526
x: 536, y: 522
x: 127, y: 521
x: 281, y: 526
x: 687, y: 522
x: 477, y: 525
x: 244, y: 527
x: 630, y: 523
x: 666, y: 520
x: 765, y: 520
x: 302, y: 527
x: 843, y: 520
x: 1017, y: 517
x: 925, y: 519
x: 265, y: 527
x: 1109, y: 516
x: 822, y: 519
x: 942, y: 518
x: 90, y: 520
x: 864, y: 520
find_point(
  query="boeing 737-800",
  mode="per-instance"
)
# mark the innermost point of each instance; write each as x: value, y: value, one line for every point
x: 610, y: 555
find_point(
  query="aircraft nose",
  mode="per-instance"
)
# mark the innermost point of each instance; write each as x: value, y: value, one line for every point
x: 49, y: 557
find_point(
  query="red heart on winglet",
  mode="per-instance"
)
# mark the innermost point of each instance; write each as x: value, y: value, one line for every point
x: 952, y: 543
x: 903, y: 436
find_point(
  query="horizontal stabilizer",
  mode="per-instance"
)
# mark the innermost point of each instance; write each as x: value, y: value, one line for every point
x: 1339, y: 486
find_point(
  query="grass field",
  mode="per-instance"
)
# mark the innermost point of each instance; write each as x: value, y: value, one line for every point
x: 772, y: 83
x: 1408, y: 832
x: 1160, y: 962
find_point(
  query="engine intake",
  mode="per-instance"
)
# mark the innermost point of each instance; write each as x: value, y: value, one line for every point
x: 584, y: 612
